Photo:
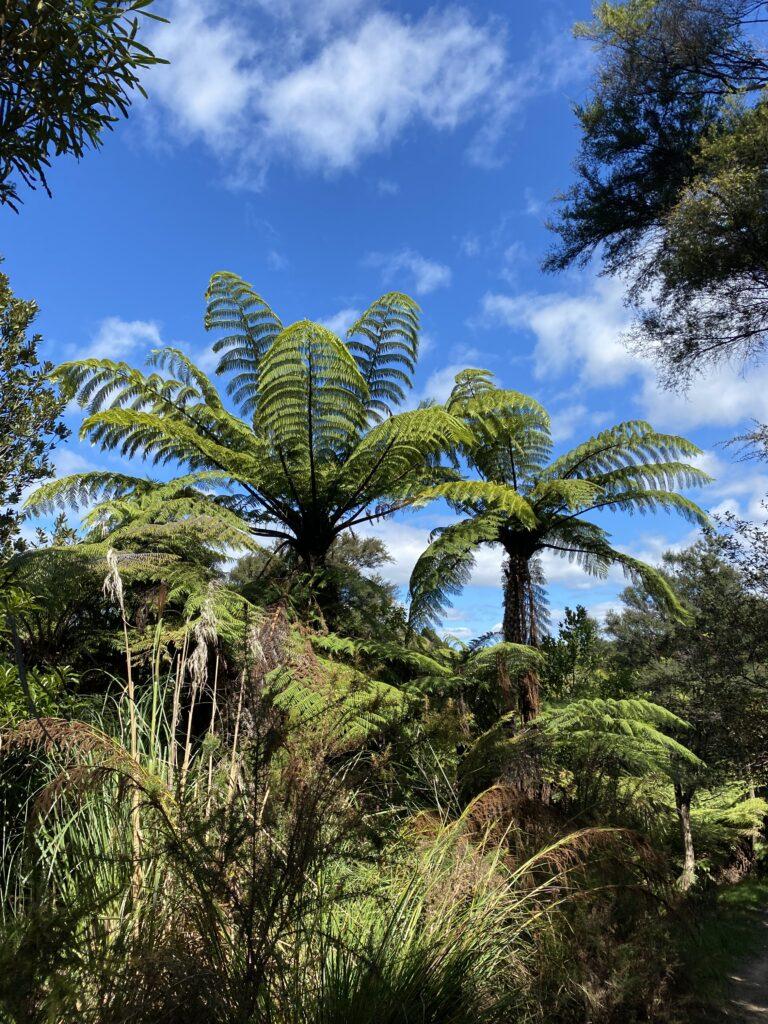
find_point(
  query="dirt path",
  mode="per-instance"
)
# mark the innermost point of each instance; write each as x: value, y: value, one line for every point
x: 748, y: 999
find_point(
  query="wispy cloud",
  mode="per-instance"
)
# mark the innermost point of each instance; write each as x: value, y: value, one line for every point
x: 116, y: 338
x: 338, y: 81
x: 580, y: 335
x: 426, y: 275
x: 340, y: 322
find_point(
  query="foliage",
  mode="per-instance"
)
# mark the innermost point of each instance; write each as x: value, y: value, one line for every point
x: 710, y: 669
x: 356, y: 598
x: 528, y: 504
x: 670, y: 177
x: 255, y: 902
x: 67, y: 74
x: 574, y: 665
x: 30, y: 409
x: 313, y: 462
x: 632, y: 733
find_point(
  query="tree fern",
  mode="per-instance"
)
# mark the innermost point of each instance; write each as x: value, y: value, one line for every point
x: 527, y: 504
x: 633, y: 734
x: 309, y: 463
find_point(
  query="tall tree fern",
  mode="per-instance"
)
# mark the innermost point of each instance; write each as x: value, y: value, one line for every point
x: 528, y: 504
x: 318, y: 448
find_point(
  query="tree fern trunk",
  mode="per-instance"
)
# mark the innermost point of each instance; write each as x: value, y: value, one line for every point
x: 519, y: 627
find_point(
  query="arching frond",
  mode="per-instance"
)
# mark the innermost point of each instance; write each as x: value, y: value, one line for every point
x: 384, y: 341
x: 510, y: 430
x: 354, y: 709
x: 251, y: 325
x: 629, y: 443
x: 633, y: 733
x: 82, y: 489
x: 568, y: 495
x: 446, y: 566
x: 661, y: 475
x: 482, y: 495
x: 313, y: 395
x: 398, y: 456
x: 631, y: 729
x: 655, y: 584
x: 184, y: 370
x: 469, y: 384
x: 385, y: 652
x: 515, y: 656
x: 648, y: 500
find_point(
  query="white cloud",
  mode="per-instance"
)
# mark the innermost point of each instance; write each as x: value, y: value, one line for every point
x: 317, y: 18
x: 385, y: 187
x: 738, y: 486
x: 723, y: 397
x: 580, y: 335
x: 213, y: 74
x: 340, y: 322
x: 326, y: 84
x: 404, y: 542
x: 276, y: 260
x: 362, y: 89
x: 513, y: 257
x: 440, y: 384
x: 427, y: 275
x: 116, y: 338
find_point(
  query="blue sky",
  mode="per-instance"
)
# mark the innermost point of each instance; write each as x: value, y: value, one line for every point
x: 328, y: 151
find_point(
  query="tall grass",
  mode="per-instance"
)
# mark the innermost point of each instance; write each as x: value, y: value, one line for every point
x: 256, y: 893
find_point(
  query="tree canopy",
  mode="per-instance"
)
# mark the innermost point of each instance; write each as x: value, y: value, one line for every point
x: 30, y: 409
x: 528, y: 504
x: 67, y: 74
x: 671, y: 180
x: 322, y: 450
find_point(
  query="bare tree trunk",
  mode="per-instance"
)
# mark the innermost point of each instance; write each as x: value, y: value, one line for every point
x: 683, y: 799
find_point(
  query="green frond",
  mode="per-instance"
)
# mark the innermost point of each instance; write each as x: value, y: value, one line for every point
x: 722, y: 817
x: 251, y: 325
x: 633, y: 732
x: 655, y: 583
x: 352, y: 708
x: 515, y: 656
x: 385, y: 341
x: 312, y: 402
x: 476, y: 398
x: 399, y: 456
x: 632, y: 729
x: 660, y: 475
x: 165, y: 439
x: 469, y: 384
x: 481, y: 496
x: 626, y: 444
x: 648, y: 500
x: 384, y: 652
x: 446, y: 566
x: 568, y: 494
x: 82, y: 489
x: 184, y: 370
x: 510, y: 430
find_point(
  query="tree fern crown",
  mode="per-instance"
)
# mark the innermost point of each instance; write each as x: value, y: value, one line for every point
x: 526, y: 502
x: 321, y: 448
